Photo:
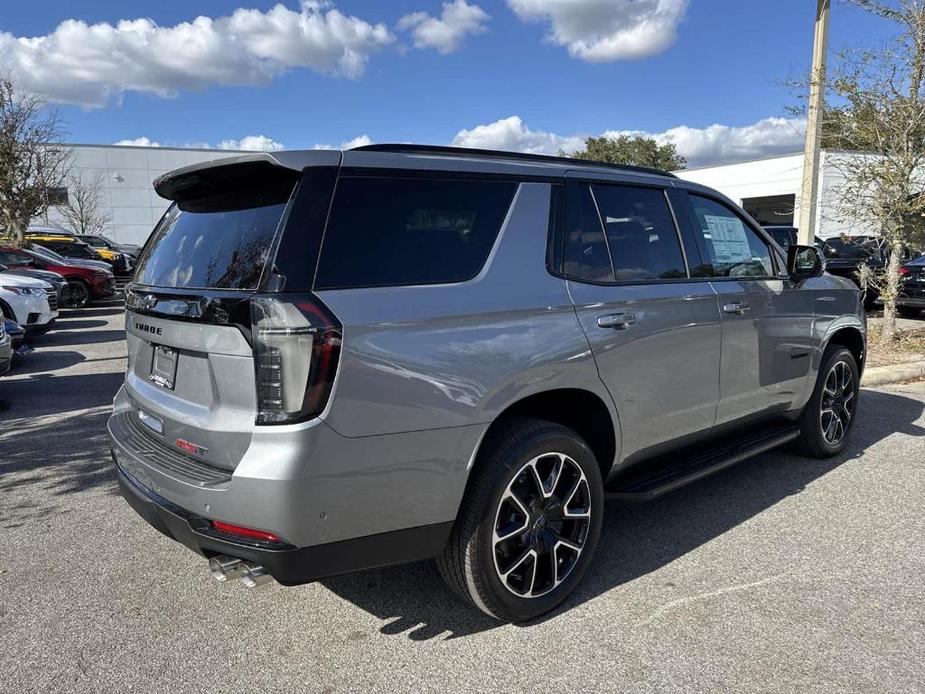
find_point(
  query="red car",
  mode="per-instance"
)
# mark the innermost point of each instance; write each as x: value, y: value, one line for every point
x: 84, y: 284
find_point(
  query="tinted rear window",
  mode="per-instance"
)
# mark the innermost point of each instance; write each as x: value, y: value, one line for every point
x: 404, y: 231
x: 221, y: 241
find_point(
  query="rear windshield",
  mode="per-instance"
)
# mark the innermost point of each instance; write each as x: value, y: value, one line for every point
x: 219, y: 242
x: 404, y: 231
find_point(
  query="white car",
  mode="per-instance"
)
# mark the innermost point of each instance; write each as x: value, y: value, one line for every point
x: 25, y: 300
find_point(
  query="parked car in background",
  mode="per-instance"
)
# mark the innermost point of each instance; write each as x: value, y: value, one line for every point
x: 55, y: 279
x: 100, y: 242
x: 50, y: 254
x: 72, y: 247
x: 345, y: 360
x: 911, y: 299
x: 6, y: 349
x: 843, y: 256
x: 26, y: 301
x: 84, y: 284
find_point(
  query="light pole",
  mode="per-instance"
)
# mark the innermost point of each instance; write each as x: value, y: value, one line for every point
x: 810, y: 190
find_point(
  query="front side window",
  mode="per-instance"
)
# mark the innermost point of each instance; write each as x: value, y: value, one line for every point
x: 730, y: 248
x: 385, y: 231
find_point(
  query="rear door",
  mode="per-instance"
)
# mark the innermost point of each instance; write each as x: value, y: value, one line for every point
x: 655, y: 334
x: 767, y: 320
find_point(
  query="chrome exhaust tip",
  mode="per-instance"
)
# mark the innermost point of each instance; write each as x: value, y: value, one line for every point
x: 254, y: 575
x: 225, y: 568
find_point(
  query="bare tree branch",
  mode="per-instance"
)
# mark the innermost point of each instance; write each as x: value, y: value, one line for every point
x: 85, y: 211
x: 32, y: 159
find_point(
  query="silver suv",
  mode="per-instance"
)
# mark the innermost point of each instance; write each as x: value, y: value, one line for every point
x: 346, y: 360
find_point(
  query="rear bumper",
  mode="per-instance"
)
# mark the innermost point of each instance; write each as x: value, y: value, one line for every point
x: 290, y: 565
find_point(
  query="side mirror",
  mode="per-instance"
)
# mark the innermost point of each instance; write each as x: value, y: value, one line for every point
x: 804, y: 262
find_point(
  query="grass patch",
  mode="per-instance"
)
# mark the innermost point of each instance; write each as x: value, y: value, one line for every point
x: 909, y: 346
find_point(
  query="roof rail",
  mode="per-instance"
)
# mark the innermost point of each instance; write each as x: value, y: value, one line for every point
x: 498, y: 154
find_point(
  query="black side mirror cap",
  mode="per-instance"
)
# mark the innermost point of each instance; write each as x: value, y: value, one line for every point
x: 804, y: 262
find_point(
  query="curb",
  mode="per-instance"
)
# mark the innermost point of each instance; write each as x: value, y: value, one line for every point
x: 882, y: 375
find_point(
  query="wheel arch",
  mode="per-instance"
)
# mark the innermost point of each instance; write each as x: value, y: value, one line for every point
x: 852, y: 339
x: 7, y: 311
x: 581, y: 410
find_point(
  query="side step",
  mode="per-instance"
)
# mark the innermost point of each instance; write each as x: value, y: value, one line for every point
x: 654, y: 478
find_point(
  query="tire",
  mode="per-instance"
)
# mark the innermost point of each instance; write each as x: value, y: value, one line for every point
x: 830, y: 413
x: 909, y: 311
x: 79, y: 293
x: 558, y: 522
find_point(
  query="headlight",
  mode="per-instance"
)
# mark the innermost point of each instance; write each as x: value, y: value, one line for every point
x: 26, y: 291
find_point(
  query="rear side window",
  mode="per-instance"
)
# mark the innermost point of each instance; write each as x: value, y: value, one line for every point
x: 404, y: 231
x: 219, y: 241
x: 617, y: 233
x: 643, y: 241
x: 730, y: 248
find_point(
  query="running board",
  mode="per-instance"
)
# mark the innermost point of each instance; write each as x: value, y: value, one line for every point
x: 651, y: 479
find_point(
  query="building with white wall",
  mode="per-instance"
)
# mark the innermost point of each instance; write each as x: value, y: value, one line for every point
x: 769, y: 190
x: 125, y: 176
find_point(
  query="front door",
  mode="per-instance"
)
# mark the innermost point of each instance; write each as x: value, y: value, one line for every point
x: 767, y: 320
x: 654, y: 333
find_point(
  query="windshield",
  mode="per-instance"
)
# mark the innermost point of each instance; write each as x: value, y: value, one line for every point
x: 43, y: 252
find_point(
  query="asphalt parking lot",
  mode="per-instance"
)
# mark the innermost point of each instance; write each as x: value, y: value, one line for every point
x: 781, y: 574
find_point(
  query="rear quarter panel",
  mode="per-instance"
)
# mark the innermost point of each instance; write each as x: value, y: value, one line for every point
x: 437, y: 356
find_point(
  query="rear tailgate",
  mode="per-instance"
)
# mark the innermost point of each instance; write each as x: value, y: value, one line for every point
x: 199, y: 397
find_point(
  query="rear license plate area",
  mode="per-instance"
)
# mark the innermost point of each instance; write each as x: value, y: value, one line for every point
x: 164, y: 367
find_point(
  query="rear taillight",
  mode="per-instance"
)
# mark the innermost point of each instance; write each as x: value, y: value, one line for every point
x: 296, y: 350
x: 902, y: 270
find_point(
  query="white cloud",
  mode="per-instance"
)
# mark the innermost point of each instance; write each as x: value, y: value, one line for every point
x: 138, y: 142
x: 510, y: 134
x: 700, y: 146
x: 92, y: 64
x: 719, y: 144
x: 358, y: 141
x: 254, y: 143
x: 605, y: 30
x: 446, y: 33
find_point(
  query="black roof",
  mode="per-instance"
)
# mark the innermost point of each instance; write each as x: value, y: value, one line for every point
x: 498, y: 154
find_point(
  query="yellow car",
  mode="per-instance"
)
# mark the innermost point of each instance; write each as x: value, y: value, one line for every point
x: 71, y: 247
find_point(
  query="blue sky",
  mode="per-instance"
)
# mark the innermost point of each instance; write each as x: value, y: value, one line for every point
x: 534, y: 75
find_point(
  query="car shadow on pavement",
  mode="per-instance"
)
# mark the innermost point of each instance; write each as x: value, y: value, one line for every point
x: 66, y: 336
x: 636, y: 539
x: 64, y: 456
x: 68, y: 323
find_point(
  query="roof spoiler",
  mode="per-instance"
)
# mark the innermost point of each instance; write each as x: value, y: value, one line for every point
x: 173, y: 184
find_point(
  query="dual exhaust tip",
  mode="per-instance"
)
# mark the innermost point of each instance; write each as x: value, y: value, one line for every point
x: 225, y: 568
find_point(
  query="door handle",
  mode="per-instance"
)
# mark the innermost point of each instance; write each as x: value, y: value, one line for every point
x: 617, y: 321
x: 736, y: 307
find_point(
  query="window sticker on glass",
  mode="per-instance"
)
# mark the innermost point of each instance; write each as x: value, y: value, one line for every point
x: 730, y: 242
